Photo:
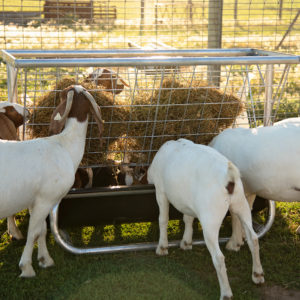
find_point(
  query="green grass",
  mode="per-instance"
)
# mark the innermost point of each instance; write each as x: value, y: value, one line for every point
x: 143, y: 275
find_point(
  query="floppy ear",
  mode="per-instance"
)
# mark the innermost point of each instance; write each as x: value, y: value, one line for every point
x: 8, y: 130
x: 96, y: 111
x: 15, y: 115
x: 60, y: 114
x: 121, y: 81
x: 97, y: 115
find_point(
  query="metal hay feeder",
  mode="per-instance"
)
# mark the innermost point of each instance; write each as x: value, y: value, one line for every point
x: 32, y: 69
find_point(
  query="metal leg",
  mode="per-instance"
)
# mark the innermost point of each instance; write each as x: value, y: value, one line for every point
x: 12, y: 75
x: 271, y: 217
x: 269, y: 93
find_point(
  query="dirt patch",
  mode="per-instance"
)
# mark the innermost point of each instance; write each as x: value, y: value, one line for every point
x: 279, y: 293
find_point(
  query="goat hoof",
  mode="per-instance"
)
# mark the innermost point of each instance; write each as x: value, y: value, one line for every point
x: 27, y: 271
x: 45, y: 263
x: 226, y: 298
x: 162, y: 251
x: 184, y: 245
x: 233, y: 246
x: 258, y: 278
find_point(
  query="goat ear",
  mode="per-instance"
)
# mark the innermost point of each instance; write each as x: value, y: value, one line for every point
x: 60, y: 114
x: 96, y: 111
x: 122, y: 81
x: 98, y: 72
x: 8, y: 130
x: 99, y: 122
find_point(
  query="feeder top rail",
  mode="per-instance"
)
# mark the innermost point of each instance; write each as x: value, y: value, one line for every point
x: 133, y: 57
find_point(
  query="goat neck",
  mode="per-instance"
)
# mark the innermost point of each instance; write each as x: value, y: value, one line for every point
x: 72, y: 139
x: 72, y: 115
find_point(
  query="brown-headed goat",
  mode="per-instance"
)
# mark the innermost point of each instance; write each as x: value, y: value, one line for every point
x: 40, y: 172
x: 12, y: 115
x: 109, y: 79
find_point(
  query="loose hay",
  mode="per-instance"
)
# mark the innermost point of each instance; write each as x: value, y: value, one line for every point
x: 178, y: 110
x: 173, y: 111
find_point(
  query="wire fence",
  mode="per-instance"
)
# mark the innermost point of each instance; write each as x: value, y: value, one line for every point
x: 72, y: 24
x: 131, y: 124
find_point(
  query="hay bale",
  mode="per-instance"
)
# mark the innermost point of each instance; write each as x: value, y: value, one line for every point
x: 176, y: 110
x: 197, y: 113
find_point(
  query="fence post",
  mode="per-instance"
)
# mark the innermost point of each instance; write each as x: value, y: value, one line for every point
x: 235, y: 10
x: 190, y: 10
x: 280, y: 9
x: 215, y: 13
x: 142, y: 17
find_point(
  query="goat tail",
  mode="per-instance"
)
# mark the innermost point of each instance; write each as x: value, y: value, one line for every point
x: 233, y: 175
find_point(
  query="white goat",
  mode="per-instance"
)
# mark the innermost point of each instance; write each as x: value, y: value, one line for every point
x: 40, y: 172
x: 202, y: 183
x: 268, y: 159
x: 12, y: 115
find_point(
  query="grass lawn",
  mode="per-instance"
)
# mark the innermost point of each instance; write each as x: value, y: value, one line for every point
x: 143, y: 275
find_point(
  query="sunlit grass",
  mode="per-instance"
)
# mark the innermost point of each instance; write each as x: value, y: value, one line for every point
x: 143, y: 275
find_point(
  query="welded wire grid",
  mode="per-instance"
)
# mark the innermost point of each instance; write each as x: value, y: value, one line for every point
x: 108, y: 24
x: 153, y: 24
x: 83, y: 24
x: 141, y: 118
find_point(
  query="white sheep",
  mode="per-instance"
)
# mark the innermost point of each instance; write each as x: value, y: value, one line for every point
x: 12, y: 115
x: 40, y: 172
x: 268, y: 159
x: 202, y: 183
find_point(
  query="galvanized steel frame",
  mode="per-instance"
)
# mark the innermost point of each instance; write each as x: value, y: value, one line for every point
x: 22, y: 59
x: 132, y: 57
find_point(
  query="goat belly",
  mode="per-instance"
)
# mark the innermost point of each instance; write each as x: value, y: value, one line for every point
x: 15, y: 198
x: 185, y: 209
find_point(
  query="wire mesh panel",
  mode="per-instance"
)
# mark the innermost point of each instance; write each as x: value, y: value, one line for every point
x: 150, y: 100
x: 268, y: 24
x: 74, y: 24
x: 163, y: 24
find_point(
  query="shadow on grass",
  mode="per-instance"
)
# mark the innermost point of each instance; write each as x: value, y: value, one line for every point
x: 143, y: 275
